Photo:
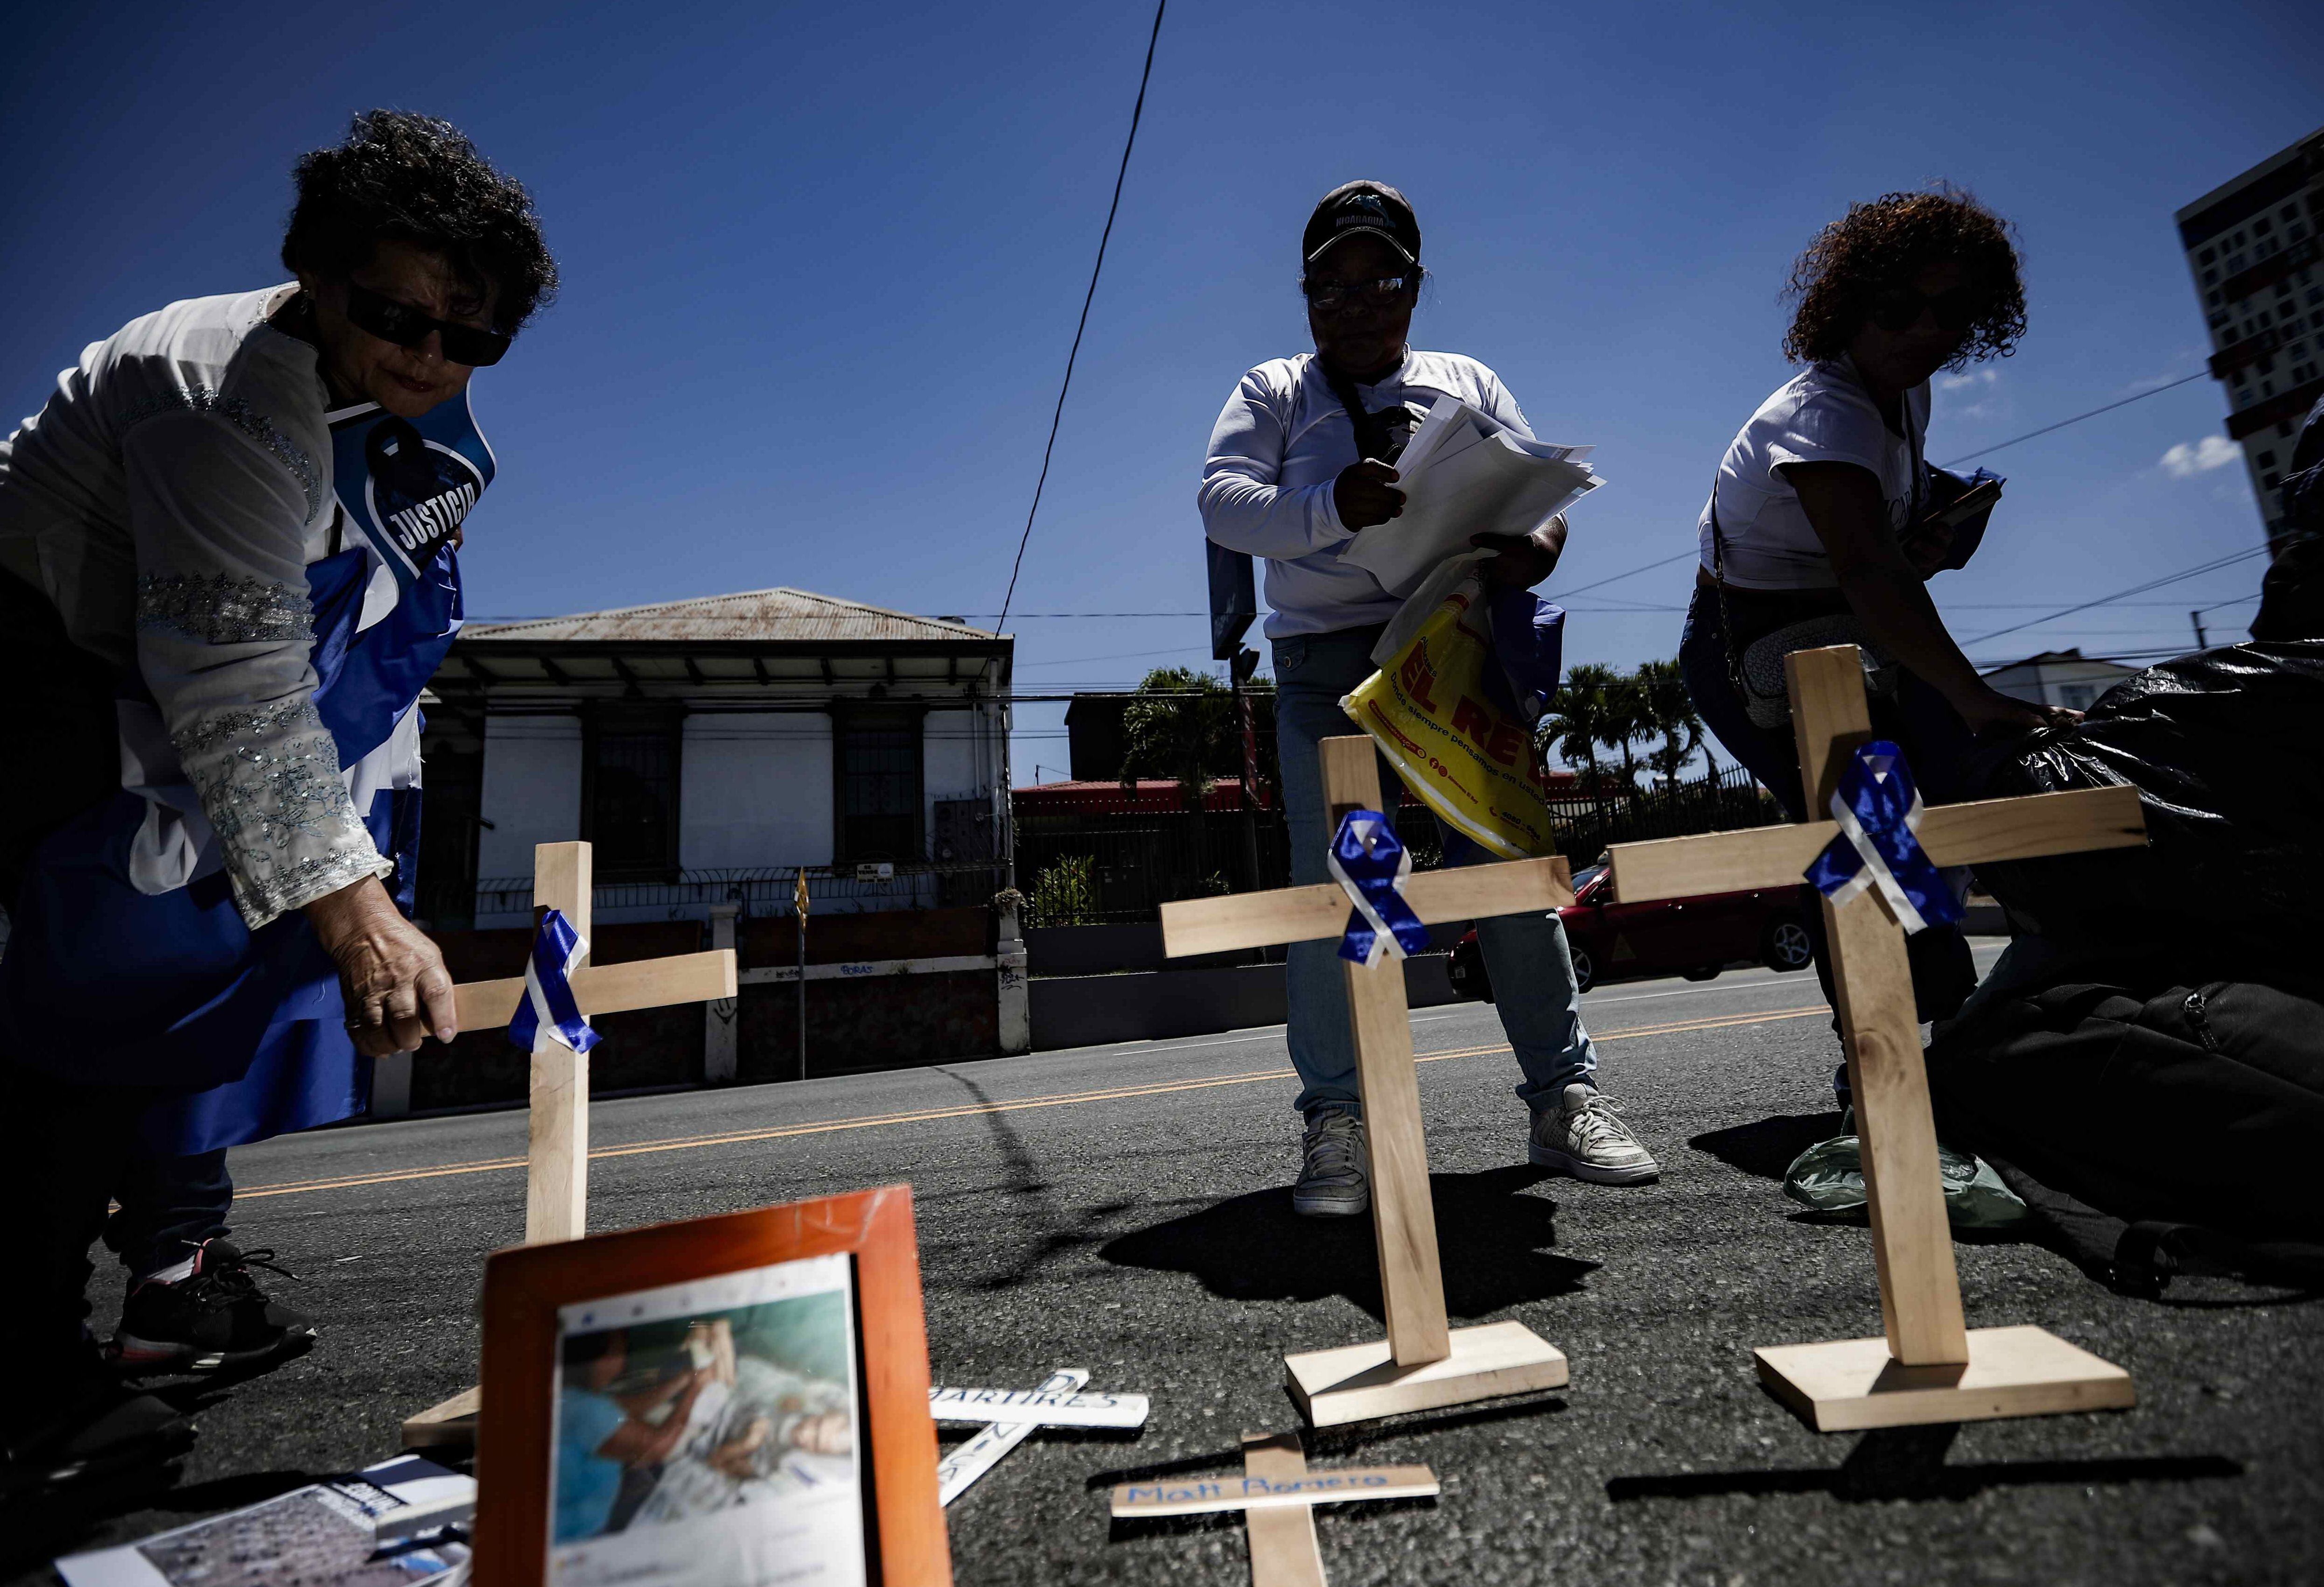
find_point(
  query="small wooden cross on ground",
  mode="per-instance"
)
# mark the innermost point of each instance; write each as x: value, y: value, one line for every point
x: 557, y: 1158
x: 1278, y: 1495
x: 1931, y: 1367
x: 1008, y: 1417
x: 1423, y: 1363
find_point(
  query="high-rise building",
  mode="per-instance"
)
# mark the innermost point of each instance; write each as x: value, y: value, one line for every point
x: 2253, y: 245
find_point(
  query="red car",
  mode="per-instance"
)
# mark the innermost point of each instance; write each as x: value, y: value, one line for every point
x: 1694, y: 938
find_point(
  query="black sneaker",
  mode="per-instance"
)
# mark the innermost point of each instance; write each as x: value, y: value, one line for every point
x: 216, y: 1317
x: 85, y: 1428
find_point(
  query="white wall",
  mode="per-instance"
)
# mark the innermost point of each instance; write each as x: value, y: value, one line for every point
x: 756, y: 790
x: 960, y: 759
x: 532, y: 793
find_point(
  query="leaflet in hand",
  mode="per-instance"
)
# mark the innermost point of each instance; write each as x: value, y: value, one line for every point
x: 1462, y: 475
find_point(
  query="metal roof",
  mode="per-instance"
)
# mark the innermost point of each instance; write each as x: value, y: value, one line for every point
x: 776, y: 615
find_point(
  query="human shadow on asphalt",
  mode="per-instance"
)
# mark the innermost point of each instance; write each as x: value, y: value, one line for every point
x: 1491, y: 1241
x: 1768, y: 1147
x: 1909, y: 1462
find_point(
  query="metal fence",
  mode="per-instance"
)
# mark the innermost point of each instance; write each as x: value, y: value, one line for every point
x: 1721, y: 801
x: 767, y: 889
x: 1105, y: 870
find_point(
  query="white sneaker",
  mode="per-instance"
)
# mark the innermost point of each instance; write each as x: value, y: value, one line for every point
x: 1585, y: 1139
x: 1333, y: 1182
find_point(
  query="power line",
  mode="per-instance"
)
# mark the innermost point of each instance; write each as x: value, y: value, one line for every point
x: 2136, y: 589
x: 1650, y: 567
x: 2077, y: 418
x: 1136, y: 111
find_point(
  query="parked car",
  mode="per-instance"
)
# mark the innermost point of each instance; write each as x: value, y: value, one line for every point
x: 1695, y: 937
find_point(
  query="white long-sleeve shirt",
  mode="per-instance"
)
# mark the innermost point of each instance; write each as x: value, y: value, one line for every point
x: 167, y: 500
x: 1279, y: 445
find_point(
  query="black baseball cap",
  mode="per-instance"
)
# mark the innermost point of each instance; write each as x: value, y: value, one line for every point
x: 1373, y: 208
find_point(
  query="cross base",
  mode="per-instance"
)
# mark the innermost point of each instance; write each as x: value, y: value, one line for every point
x: 1357, y: 1382
x: 452, y: 1423
x: 1847, y: 1384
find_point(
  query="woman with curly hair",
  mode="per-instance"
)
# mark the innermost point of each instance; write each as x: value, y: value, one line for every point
x: 226, y: 568
x: 1818, y: 531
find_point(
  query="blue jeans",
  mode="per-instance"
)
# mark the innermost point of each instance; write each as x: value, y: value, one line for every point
x: 1526, y: 955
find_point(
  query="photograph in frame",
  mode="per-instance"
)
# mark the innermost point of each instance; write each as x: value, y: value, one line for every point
x: 708, y: 1434
x: 737, y: 1398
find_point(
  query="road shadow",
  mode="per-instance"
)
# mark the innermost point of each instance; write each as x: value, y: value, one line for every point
x: 1767, y: 1148
x: 1909, y: 1462
x: 1492, y: 1241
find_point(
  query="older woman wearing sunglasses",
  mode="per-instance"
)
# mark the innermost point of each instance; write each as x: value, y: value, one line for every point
x: 1819, y: 529
x: 226, y: 568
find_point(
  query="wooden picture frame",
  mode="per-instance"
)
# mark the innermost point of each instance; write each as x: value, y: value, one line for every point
x: 525, y: 1288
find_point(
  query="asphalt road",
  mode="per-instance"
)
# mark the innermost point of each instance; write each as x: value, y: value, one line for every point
x: 1126, y: 1209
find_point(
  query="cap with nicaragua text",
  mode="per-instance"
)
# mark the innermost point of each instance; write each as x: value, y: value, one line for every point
x: 1366, y: 208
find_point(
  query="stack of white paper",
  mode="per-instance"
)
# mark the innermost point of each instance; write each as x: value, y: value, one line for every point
x: 1464, y: 475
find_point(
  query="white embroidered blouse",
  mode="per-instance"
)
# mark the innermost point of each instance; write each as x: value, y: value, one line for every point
x: 168, y: 499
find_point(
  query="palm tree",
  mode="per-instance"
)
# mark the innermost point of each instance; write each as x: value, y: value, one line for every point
x: 1628, y: 718
x: 1576, y: 723
x: 1670, y: 710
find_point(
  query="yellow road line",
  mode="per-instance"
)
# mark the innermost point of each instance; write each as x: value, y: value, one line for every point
x: 965, y: 1110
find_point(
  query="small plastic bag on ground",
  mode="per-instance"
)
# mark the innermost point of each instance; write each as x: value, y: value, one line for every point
x: 1828, y: 1179
x: 1463, y: 677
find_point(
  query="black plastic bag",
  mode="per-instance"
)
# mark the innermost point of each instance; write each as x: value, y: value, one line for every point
x: 2226, y: 748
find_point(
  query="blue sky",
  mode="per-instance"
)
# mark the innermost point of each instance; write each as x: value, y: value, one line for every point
x: 822, y: 265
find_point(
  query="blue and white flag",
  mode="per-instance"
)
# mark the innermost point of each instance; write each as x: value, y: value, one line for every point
x: 1371, y: 865
x: 1878, y: 810
x: 407, y: 483
x: 549, y: 1011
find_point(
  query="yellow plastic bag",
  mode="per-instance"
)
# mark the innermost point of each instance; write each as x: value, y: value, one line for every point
x: 1468, y: 760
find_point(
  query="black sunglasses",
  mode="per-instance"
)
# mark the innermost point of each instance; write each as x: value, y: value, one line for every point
x: 1331, y: 294
x: 1897, y: 309
x: 407, y: 327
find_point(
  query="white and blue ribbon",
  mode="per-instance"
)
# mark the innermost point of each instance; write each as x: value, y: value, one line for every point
x: 1371, y: 865
x: 1879, y: 810
x: 548, y: 1010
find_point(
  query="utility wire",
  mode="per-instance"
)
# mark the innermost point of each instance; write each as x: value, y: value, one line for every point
x: 2077, y: 418
x: 1136, y: 111
x: 1981, y: 451
x: 2136, y: 589
x: 1650, y: 567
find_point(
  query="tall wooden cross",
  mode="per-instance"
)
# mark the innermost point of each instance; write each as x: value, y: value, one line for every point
x: 557, y: 1155
x: 1423, y: 1363
x: 1931, y: 1367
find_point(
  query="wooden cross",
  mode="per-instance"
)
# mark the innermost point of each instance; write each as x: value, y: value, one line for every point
x: 1278, y: 1495
x: 1931, y: 1367
x: 1008, y: 1417
x: 1423, y: 1363
x: 557, y: 1155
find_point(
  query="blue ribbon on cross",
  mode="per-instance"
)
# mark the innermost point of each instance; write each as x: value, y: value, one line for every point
x: 548, y: 1007
x: 1371, y: 865
x: 1878, y: 808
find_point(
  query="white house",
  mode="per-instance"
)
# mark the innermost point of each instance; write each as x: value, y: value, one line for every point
x: 711, y: 749
x: 2058, y: 677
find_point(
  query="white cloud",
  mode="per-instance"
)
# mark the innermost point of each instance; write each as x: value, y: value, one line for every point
x: 2189, y: 458
x: 1971, y: 377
